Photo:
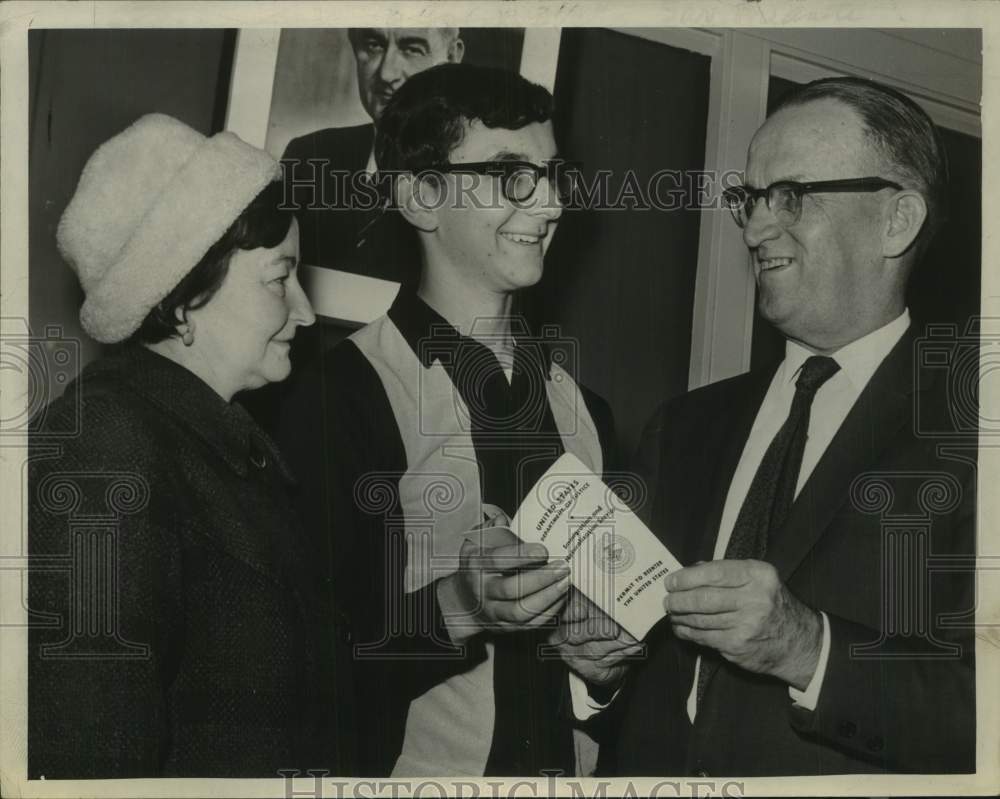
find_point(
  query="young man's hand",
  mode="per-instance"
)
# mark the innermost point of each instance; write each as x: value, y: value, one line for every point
x: 502, y: 584
x: 592, y: 644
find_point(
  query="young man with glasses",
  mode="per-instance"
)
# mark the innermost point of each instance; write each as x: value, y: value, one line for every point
x: 439, y: 418
x: 811, y: 632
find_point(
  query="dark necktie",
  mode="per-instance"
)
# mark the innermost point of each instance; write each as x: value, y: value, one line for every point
x: 772, y: 491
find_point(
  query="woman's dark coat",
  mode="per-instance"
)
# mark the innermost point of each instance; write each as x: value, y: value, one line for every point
x: 178, y: 627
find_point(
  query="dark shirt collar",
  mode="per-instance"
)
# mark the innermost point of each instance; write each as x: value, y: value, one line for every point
x: 226, y: 427
x: 433, y: 338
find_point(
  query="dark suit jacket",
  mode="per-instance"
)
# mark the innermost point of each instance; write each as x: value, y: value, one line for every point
x: 179, y: 625
x: 899, y: 690
x: 339, y: 223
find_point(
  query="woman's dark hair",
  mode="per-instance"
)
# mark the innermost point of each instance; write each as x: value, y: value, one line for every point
x: 425, y: 119
x: 263, y: 223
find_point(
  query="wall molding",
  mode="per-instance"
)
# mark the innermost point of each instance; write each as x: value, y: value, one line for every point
x: 252, y: 84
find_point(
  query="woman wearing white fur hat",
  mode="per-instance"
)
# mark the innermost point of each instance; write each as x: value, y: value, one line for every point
x: 189, y: 626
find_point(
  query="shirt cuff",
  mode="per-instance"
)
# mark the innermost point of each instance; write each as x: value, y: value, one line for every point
x: 584, y: 705
x: 460, y: 624
x: 809, y: 698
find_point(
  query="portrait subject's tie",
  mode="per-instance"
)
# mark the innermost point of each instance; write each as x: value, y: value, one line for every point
x: 772, y: 491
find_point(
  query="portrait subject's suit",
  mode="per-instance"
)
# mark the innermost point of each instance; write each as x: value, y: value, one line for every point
x: 339, y: 223
x: 899, y: 687
x: 340, y: 227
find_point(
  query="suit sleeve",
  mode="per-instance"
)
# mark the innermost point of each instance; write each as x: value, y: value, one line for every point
x: 603, y: 724
x: 604, y: 421
x: 97, y: 702
x: 292, y: 150
x: 647, y: 462
x: 397, y: 634
x: 905, y: 699
x: 301, y: 179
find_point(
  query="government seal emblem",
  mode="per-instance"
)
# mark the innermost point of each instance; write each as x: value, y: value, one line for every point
x: 614, y: 553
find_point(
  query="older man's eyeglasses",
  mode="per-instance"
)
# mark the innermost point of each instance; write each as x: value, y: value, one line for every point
x: 519, y: 179
x: 784, y: 198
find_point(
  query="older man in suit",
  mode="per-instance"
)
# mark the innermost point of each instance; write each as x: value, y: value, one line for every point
x: 813, y: 633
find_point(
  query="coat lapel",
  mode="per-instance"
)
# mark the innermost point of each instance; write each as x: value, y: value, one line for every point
x: 881, y: 410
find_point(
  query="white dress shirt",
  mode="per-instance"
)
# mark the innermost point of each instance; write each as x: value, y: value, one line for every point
x: 834, y: 399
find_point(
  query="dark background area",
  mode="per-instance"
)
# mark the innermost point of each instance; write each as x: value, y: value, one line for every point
x: 493, y: 47
x: 620, y: 283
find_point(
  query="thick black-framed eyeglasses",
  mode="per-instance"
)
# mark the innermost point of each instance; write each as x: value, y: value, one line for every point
x: 784, y: 198
x: 518, y: 179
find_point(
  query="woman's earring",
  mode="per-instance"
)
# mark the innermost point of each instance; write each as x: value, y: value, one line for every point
x: 187, y: 334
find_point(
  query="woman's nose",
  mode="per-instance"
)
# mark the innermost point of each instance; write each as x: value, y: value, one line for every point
x: 301, y: 309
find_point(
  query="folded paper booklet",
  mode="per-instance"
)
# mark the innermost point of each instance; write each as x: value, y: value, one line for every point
x: 615, y: 561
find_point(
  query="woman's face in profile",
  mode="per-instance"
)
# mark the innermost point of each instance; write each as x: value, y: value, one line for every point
x: 245, y: 331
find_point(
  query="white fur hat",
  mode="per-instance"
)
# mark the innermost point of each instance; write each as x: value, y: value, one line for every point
x: 150, y: 203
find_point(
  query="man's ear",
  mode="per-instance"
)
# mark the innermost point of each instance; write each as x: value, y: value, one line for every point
x: 418, y: 201
x: 456, y: 51
x: 907, y: 213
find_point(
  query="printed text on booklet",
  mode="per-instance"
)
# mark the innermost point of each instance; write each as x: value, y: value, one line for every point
x: 615, y: 561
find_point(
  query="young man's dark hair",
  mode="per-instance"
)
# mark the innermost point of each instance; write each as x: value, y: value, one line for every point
x: 426, y: 118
